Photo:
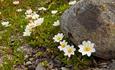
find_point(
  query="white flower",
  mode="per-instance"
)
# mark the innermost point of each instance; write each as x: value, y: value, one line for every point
x: 19, y: 10
x: 27, y: 33
x: 5, y: 23
x: 0, y: 13
x: 16, y: 2
x: 63, y: 45
x: 42, y: 8
x: 69, y: 50
x: 35, y: 15
x: 39, y: 21
x: 72, y: 2
x: 33, y: 24
x: 28, y: 12
x: 32, y: 15
x: 28, y: 16
x: 58, y: 37
x: 30, y: 26
x: 86, y: 48
x: 57, y: 23
x: 54, y: 12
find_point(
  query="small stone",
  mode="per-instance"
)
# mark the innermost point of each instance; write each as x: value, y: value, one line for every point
x: 40, y: 67
x: 27, y: 49
x: 29, y: 62
x: 64, y: 68
x: 31, y: 59
x: 51, y: 64
x: 26, y: 56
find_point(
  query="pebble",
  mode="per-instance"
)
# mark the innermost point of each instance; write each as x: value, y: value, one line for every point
x: 64, y: 68
x: 40, y: 67
x: 29, y: 62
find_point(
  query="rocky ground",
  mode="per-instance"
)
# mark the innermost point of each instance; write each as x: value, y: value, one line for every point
x: 32, y: 62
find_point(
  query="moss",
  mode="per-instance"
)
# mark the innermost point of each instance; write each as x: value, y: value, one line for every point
x: 44, y: 63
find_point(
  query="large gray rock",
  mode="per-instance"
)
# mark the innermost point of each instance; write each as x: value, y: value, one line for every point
x: 92, y: 20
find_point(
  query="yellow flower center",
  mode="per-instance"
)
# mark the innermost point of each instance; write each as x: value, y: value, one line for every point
x: 58, y: 38
x: 62, y: 45
x: 69, y: 50
x: 87, y: 49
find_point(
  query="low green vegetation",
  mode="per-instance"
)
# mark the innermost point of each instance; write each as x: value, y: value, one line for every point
x: 11, y: 37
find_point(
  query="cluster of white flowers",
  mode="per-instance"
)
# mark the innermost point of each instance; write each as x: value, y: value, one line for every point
x: 34, y: 21
x: 19, y: 10
x: 42, y: 8
x: 5, y: 23
x: 72, y: 2
x: 67, y: 49
x: 16, y: 2
x: 86, y: 48
x: 54, y: 12
x: 56, y: 23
